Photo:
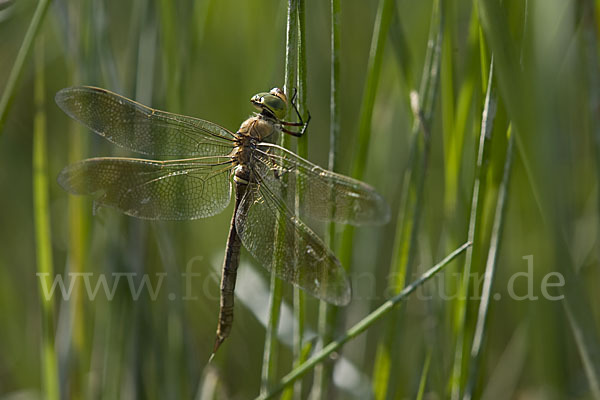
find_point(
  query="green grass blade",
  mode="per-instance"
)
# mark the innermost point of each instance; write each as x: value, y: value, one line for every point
x: 424, y: 373
x: 327, y: 314
x: 460, y: 307
x: 490, y: 269
x: 41, y: 213
x: 299, y: 295
x: 399, y: 41
x: 447, y: 92
x: 510, y: 79
x: 587, y: 347
x: 494, y: 23
x: 593, y: 66
x: 510, y: 365
x: 77, y: 349
x: 515, y: 89
x: 453, y: 143
x: 362, y: 325
x: 380, y: 31
x: 299, y: 354
x: 271, y: 349
x: 17, y: 70
x: 590, y: 363
x: 291, y: 53
x: 334, y: 94
x: 172, y: 69
x: 409, y: 216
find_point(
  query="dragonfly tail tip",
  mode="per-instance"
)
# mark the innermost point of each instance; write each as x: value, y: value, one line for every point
x: 218, y: 341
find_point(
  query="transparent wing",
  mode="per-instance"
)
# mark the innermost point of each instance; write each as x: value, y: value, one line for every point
x: 142, y: 129
x: 323, y: 195
x: 304, y: 260
x: 178, y: 189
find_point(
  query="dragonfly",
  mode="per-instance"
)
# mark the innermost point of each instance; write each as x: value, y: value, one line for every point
x: 195, y: 165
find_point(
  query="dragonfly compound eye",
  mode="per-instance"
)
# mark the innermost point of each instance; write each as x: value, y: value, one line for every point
x: 279, y: 93
x: 275, y: 101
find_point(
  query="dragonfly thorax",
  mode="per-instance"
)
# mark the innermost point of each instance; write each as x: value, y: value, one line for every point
x: 252, y: 131
x: 258, y: 127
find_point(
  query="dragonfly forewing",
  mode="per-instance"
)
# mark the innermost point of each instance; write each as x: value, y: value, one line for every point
x: 174, y: 190
x: 143, y: 129
x: 286, y: 246
x: 323, y: 195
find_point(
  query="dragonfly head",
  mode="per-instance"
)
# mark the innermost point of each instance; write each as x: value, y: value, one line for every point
x: 274, y: 102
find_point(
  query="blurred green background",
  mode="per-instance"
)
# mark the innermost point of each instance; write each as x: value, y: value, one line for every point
x: 206, y: 58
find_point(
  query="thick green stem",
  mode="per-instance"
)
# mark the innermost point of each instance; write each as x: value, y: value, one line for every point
x: 271, y: 349
x: 43, y: 241
x: 327, y: 314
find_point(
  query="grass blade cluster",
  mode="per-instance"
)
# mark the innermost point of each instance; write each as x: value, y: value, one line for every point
x: 363, y: 324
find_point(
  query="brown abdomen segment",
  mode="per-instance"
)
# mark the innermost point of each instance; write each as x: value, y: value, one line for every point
x: 229, y: 274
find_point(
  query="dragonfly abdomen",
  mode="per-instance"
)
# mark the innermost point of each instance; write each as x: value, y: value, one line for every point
x: 230, y: 266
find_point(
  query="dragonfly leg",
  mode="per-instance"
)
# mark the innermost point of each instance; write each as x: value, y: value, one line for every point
x: 294, y: 95
x: 303, y: 124
x: 296, y: 134
x: 286, y: 123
